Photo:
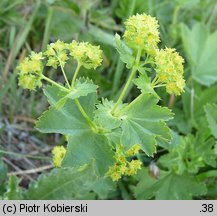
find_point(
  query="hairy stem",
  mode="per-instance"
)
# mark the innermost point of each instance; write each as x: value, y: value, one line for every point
x: 75, y: 75
x: 133, y: 72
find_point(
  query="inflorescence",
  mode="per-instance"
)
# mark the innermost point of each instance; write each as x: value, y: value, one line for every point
x: 122, y: 166
x: 57, y: 54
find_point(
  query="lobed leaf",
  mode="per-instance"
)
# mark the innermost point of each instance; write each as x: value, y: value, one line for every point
x: 103, y: 116
x: 68, y: 120
x: 143, y: 121
x: 170, y: 186
x: 62, y: 183
x: 87, y: 147
x: 144, y: 84
x: 200, y: 47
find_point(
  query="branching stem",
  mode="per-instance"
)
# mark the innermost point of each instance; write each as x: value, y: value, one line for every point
x: 133, y: 72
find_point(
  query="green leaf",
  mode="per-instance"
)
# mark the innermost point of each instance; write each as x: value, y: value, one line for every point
x: 101, y: 36
x: 67, y: 120
x: 194, y: 101
x: 124, y: 51
x: 201, y: 47
x: 146, y: 187
x: 13, y: 190
x: 103, y: 116
x: 211, y: 114
x: 143, y: 121
x: 62, y: 183
x: 144, y: 84
x: 87, y: 147
x: 179, y: 187
x: 103, y: 186
x: 191, y: 154
x: 83, y: 87
x: 170, y: 186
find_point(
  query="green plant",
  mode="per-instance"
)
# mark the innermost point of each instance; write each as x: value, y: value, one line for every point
x: 105, y: 136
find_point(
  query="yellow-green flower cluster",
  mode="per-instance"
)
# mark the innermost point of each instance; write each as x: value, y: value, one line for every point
x: 86, y: 54
x: 30, y: 71
x: 169, y: 68
x: 141, y: 32
x: 133, y: 150
x: 57, y: 54
x: 58, y: 155
x: 122, y: 166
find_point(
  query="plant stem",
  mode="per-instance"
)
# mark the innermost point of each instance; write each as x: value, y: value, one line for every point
x: 54, y: 83
x: 157, y: 86
x: 63, y: 71
x: 75, y: 75
x: 85, y: 115
x: 134, y: 69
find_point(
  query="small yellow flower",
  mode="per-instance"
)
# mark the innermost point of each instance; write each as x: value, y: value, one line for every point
x: 63, y: 56
x: 133, y: 150
x: 36, y: 56
x: 50, y: 51
x: 176, y: 87
x: 133, y: 167
x: 115, y: 176
x: 24, y: 66
x: 122, y: 166
x: 30, y: 71
x: 86, y: 54
x: 29, y: 81
x: 169, y: 68
x: 56, y: 53
x: 53, y: 62
x: 58, y: 155
x: 36, y: 66
x: 141, y: 31
x: 58, y: 46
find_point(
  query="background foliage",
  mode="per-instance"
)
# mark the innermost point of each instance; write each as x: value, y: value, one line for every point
x: 183, y: 169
